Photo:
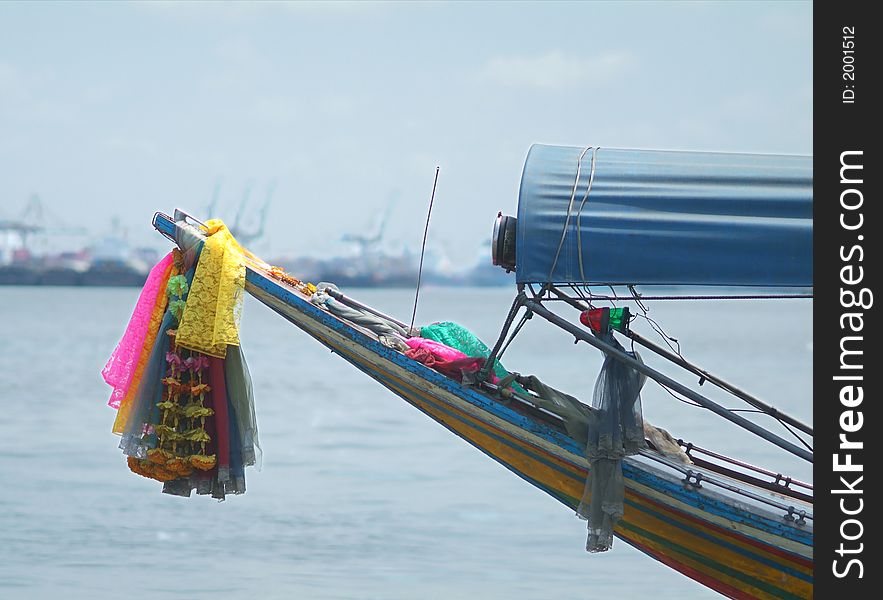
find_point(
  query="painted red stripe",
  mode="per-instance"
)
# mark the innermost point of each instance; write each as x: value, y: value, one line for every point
x: 715, y: 584
x: 796, y: 558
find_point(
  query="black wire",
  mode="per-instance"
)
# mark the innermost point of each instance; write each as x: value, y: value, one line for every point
x: 794, y: 433
x: 679, y: 398
x: 524, y: 319
x: 423, y: 249
x: 615, y: 296
x: 665, y: 337
x: 749, y: 410
x: 653, y: 324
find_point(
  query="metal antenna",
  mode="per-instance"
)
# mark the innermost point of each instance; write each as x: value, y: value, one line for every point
x: 423, y: 251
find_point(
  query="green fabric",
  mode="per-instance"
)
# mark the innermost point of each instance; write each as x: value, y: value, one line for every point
x: 458, y: 337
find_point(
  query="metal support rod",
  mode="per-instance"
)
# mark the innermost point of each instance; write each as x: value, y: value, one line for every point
x: 680, y: 361
x: 667, y: 381
x: 510, y: 318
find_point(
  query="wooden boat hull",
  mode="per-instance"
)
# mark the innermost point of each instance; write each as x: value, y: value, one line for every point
x: 728, y: 550
x: 726, y: 541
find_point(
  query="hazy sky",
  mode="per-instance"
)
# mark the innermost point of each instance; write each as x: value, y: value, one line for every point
x: 119, y: 110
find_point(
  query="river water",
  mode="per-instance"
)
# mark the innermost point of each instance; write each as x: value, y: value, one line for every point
x: 360, y: 495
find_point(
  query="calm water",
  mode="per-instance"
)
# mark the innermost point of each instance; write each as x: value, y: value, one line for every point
x: 360, y: 495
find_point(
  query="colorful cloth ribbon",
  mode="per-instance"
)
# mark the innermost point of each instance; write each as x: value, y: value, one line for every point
x: 122, y: 366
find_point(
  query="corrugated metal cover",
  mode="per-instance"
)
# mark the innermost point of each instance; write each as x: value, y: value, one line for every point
x: 664, y: 217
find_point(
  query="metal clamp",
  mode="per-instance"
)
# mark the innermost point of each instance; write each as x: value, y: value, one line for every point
x: 688, y: 446
x: 783, y: 480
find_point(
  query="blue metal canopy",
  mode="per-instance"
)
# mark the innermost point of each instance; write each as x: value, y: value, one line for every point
x: 646, y: 217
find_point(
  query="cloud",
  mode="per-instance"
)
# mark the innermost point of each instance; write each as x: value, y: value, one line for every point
x: 556, y: 70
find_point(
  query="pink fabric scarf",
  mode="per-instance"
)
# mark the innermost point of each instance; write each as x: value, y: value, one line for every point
x: 121, y: 366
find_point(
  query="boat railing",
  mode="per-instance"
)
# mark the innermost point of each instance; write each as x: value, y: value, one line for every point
x: 778, y: 478
x: 696, y: 478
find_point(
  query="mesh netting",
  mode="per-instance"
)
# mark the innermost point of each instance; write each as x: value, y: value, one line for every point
x: 617, y: 431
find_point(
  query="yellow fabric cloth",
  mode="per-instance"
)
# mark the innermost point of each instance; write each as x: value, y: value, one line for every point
x: 211, y: 316
x: 159, y: 309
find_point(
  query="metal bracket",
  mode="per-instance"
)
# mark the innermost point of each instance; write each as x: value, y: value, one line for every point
x: 688, y: 446
x: 798, y: 516
x: 488, y: 364
x: 783, y: 480
x: 693, y: 479
x: 181, y: 215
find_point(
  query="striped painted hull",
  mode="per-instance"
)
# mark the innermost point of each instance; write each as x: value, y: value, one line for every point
x: 722, y: 541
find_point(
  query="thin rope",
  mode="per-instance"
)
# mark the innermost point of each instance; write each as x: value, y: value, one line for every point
x: 579, y: 214
x: 579, y: 163
x: 583, y: 297
x: 735, y: 410
x: 423, y: 251
x: 654, y: 325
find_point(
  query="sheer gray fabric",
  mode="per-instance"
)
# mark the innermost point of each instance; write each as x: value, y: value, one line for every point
x: 616, y: 431
x: 241, y: 395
